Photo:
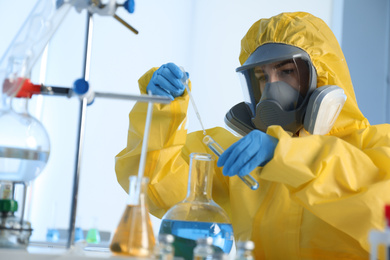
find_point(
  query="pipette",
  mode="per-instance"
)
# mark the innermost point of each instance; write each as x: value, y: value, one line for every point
x: 218, y: 150
x: 213, y: 145
x: 184, y: 80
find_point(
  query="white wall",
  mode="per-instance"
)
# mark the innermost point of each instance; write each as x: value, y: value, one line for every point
x: 366, y: 48
x: 201, y: 35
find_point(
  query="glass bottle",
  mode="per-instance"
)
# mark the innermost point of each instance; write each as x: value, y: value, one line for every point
x: 245, y: 250
x: 164, y: 250
x: 198, y: 216
x: 204, y: 249
x: 380, y: 239
x: 134, y: 235
x: 14, y: 232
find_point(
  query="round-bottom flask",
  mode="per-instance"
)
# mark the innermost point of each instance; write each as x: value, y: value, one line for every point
x: 24, y: 143
x: 198, y: 216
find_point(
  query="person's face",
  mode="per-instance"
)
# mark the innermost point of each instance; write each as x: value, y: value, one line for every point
x: 293, y: 72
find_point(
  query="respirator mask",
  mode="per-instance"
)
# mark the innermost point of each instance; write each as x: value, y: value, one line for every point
x: 279, y: 84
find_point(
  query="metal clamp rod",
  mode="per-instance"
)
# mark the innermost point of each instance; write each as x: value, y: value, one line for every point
x: 128, y: 26
x: 76, y: 178
x: 56, y: 91
x: 23, y: 205
x: 63, y: 91
x: 21, y: 222
x: 80, y: 139
x: 142, y: 98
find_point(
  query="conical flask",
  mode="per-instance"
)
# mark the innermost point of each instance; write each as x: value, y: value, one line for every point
x: 134, y: 234
x: 198, y: 216
x: 24, y: 142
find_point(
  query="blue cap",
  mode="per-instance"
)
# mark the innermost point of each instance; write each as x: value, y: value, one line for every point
x: 80, y: 86
x: 129, y: 6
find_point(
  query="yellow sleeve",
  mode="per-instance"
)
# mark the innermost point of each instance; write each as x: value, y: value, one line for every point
x: 165, y: 166
x: 342, y: 180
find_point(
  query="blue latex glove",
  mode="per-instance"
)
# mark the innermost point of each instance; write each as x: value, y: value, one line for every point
x: 253, y: 150
x: 166, y: 81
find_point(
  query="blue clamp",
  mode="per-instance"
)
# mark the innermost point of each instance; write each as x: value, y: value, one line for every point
x: 129, y: 6
x: 81, y: 88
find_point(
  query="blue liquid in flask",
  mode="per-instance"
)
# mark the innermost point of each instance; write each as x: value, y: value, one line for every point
x: 187, y: 232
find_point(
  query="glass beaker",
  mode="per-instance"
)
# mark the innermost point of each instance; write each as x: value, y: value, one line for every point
x: 198, y: 216
x: 134, y: 235
x: 24, y: 143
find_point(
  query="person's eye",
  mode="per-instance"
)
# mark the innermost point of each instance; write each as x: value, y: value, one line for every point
x: 262, y: 77
x: 287, y: 71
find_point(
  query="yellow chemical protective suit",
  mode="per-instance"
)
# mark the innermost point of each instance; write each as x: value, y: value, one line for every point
x: 319, y: 196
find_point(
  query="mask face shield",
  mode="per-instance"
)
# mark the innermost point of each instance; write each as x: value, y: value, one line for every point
x: 285, y: 81
x: 277, y: 89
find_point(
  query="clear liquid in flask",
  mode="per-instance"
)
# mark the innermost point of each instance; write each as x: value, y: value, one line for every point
x: 18, y: 164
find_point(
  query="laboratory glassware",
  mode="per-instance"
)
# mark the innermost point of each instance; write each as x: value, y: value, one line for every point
x: 245, y: 250
x: 247, y: 179
x: 27, y: 46
x: 52, y: 235
x: 184, y: 80
x: 379, y: 238
x: 134, y: 234
x: 198, y: 216
x: 93, y: 234
x: 204, y: 249
x: 78, y: 231
x: 164, y: 250
x: 24, y: 143
x: 14, y: 232
x: 218, y: 150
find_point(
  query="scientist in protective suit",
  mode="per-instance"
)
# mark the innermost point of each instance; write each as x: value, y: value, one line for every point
x: 323, y: 170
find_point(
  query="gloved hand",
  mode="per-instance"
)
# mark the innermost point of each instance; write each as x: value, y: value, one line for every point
x: 166, y: 81
x: 253, y: 150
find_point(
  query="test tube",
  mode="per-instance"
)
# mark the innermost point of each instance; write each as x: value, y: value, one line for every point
x: 218, y: 150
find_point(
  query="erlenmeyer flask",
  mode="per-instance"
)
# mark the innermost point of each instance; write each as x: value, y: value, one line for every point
x: 24, y: 142
x: 134, y: 234
x: 198, y: 216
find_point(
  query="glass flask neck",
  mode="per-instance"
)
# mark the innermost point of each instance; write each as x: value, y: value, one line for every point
x: 200, y: 178
x: 19, y: 105
x: 137, y: 190
x: 5, y: 102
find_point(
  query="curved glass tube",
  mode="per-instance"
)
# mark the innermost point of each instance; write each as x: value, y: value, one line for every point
x: 29, y: 43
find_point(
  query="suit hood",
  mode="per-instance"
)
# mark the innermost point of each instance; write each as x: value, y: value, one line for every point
x: 312, y: 35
